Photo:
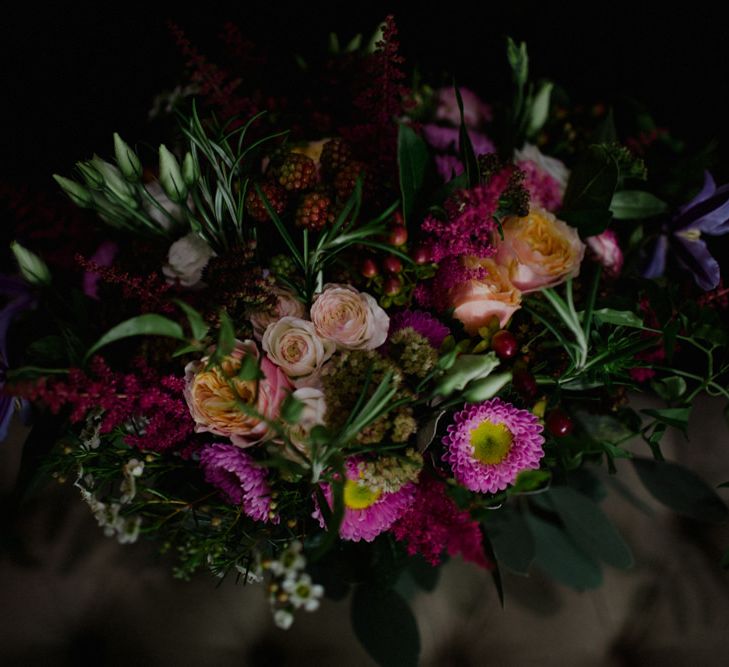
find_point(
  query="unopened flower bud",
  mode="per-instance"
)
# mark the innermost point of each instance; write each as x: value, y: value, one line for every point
x: 190, y: 170
x: 78, y: 194
x: 170, y: 177
x: 127, y: 160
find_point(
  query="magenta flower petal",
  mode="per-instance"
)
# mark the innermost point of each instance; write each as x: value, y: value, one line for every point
x: 518, y: 447
x: 238, y: 477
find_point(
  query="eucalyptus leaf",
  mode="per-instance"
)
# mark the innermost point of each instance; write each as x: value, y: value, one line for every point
x: 385, y: 625
x: 588, y: 526
x: 681, y: 489
x: 412, y: 157
x: 560, y: 557
x: 636, y: 205
x: 142, y: 325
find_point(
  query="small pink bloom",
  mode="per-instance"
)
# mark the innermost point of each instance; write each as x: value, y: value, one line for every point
x: 475, y: 110
x: 286, y: 305
x: 607, y: 251
x: 539, y: 250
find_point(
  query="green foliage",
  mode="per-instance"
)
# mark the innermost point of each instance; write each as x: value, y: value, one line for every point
x: 636, y: 205
x: 412, y: 159
x: 386, y: 627
x: 468, y: 156
x: 681, y: 490
x: 142, y: 325
x: 466, y: 369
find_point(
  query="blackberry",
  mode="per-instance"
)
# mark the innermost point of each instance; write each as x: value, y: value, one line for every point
x: 313, y: 211
x: 296, y: 172
x: 275, y: 195
x: 334, y: 155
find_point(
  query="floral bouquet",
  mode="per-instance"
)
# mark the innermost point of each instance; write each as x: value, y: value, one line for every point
x: 328, y: 341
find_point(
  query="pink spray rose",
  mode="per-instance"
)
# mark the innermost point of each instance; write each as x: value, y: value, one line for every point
x: 286, y: 305
x: 607, y: 251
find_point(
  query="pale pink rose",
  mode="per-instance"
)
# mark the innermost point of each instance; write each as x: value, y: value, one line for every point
x: 214, y: 396
x: 607, y: 251
x: 287, y: 305
x: 186, y: 260
x: 475, y: 111
x: 539, y: 251
x: 475, y: 302
x: 294, y: 346
x: 352, y: 319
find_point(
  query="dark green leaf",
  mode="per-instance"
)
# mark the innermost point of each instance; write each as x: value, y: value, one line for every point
x: 226, y: 336
x: 423, y: 573
x: 250, y: 370
x: 670, y: 388
x: 467, y: 368
x: 386, y: 627
x: 589, y: 527
x: 291, y: 409
x: 142, y: 325
x: 623, y: 318
x: 412, y: 157
x: 559, y: 556
x: 468, y: 157
x: 530, y: 481
x: 681, y: 489
x: 198, y: 325
x: 589, y: 221
x: 495, y: 570
x: 725, y: 560
x: 511, y: 539
x: 636, y: 205
x: 676, y: 417
x: 605, y: 132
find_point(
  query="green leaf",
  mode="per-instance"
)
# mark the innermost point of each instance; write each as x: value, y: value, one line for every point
x: 249, y: 369
x: 676, y: 417
x: 482, y: 390
x: 423, y: 573
x: 33, y: 269
x: 511, y: 540
x: 559, y: 556
x: 142, y: 325
x: 226, y: 336
x: 590, y: 191
x: 725, y: 560
x: 291, y: 409
x: 670, y: 388
x: 468, y: 157
x: 386, y: 627
x: 467, y: 367
x: 530, y: 481
x: 412, y: 157
x: 623, y: 318
x: 518, y: 60
x: 589, y: 527
x: 198, y: 326
x: 636, y: 205
x: 681, y: 489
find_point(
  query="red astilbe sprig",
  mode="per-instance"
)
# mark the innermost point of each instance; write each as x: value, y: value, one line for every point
x: 151, y: 291
x: 381, y: 99
x: 435, y: 525
x: 144, y: 397
x: 217, y: 87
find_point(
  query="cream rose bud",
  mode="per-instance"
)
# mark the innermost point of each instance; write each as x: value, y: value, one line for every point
x: 352, y: 319
x: 315, y: 408
x: 539, y: 251
x: 475, y: 302
x: 294, y: 346
x: 186, y: 260
x: 286, y: 304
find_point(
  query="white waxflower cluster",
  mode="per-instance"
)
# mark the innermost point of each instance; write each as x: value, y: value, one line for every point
x: 291, y: 588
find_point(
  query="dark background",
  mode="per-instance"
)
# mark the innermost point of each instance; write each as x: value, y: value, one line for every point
x: 72, y: 76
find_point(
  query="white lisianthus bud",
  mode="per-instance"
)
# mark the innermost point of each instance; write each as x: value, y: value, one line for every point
x: 78, y: 194
x: 186, y: 260
x: 170, y: 176
x: 126, y: 158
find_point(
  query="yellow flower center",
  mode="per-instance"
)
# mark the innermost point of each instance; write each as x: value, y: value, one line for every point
x: 690, y: 234
x: 358, y: 496
x: 491, y: 442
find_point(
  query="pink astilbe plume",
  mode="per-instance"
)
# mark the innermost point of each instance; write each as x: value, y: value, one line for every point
x: 434, y: 525
x: 153, y: 402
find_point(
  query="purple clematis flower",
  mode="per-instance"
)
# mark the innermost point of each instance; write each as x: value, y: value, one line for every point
x: 19, y: 298
x: 706, y: 213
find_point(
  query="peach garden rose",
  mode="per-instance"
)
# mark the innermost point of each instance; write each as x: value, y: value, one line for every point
x: 475, y: 302
x: 539, y: 250
x: 352, y: 319
x: 214, y: 396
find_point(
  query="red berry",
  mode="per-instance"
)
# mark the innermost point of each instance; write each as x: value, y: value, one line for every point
x: 504, y: 344
x: 397, y: 219
x: 558, y: 423
x: 398, y: 235
x: 392, y: 286
x: 369, y: 268
x: 421, y: 255
x: 392, y: 264
x: 525, y: 384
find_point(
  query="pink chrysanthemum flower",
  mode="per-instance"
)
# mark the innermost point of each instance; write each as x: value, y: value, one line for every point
x: 367, y: 512
x: 490, y: 443
x: 423, y: 323
x: 241, y: 481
